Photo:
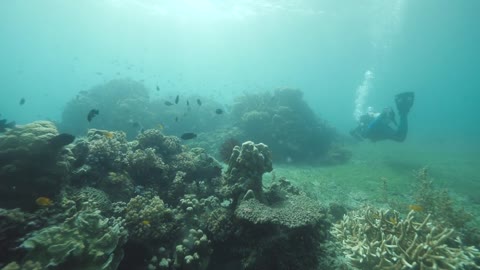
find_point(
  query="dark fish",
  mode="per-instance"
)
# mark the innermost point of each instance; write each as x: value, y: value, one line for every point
x: 218, y: 111
x: 168, y: 103
x: 61, y: 140
x: 199, y: 102
x: 158, y: 88
x: 136, y: 124
x: 176, y: 118
x: 22, y: 101
x: 188, y: 103
x: 188, y: 136
x: 4, y: 125
x: 92, y: 113
x: 177, y: 99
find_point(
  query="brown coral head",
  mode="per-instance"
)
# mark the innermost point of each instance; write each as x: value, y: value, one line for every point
x: 226, y: 148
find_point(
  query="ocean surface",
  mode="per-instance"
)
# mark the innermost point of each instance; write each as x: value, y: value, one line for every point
x: 344, y: 56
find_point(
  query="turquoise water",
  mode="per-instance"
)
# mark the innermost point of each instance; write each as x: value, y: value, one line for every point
x: 343, y: 55
x: 50, y: 50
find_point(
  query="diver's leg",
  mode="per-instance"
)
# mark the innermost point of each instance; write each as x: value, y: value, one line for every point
x: 401, y: 133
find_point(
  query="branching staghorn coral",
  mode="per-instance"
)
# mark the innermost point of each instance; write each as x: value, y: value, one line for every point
x: 380, y: 239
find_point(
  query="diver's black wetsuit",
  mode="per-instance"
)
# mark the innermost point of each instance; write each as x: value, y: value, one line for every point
x: 377, y: 128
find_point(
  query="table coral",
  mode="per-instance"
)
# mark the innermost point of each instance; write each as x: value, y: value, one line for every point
x: 295, y: 212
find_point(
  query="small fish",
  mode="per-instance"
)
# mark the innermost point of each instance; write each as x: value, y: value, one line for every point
x: 146, y: 222
x: 218, y: 111
x: 91, y: 114
x: 188, y: 136
x: 160, y: 127
x: 136, y: 124
x: 158, y: 88
x: 176, y: 118
x: 415, y: 207
x: 199, y: 102
x: 188, y: 103
x: 61, y: 140
x: 109, y: 135
x: 168, y: 103
x: 44, y: 201
x: 22, y: 101
x: 177, y: 99
x: 393, y: 220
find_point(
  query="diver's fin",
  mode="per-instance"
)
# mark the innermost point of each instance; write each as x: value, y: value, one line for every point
x: 404, y: 102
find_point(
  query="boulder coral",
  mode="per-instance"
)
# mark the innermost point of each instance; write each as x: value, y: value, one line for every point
x: 31, y: 164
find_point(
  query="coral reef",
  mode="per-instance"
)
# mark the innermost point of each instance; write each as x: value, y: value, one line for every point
x: 438, y: 202
x: 116, y: 100
x: 30, y: 162
x: 125, y: 104
x: 28, y: 265
x: 87, y: 240
x: 106, y: 153
x: 297, y: 211
x: 226, y: 149
x: 194, y: 252
x: 149, y: 219
x: 166, y: 146
x: 13, y: 225
x: 92, y: 197
x: 144, y: 166
x: 380, y: 239
x: 284, y: 122
x: 245, y: 169
x: 141, y: 196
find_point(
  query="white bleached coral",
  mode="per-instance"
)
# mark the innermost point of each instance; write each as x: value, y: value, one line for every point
x: 379, y: 239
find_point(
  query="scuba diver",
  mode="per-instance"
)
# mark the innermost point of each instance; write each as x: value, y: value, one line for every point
x: 384, y: 126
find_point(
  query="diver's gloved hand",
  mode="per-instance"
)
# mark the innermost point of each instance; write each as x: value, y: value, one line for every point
x: 404, y: 102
